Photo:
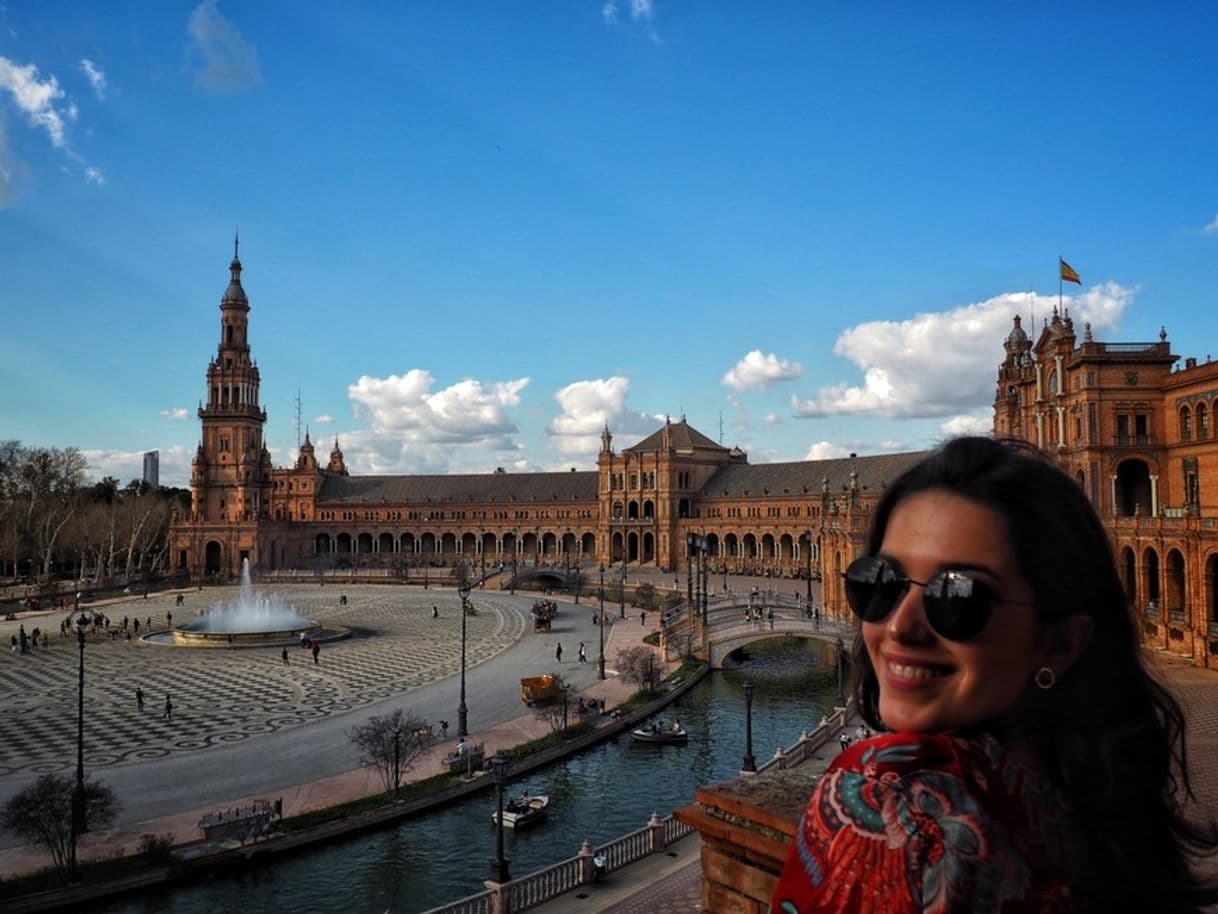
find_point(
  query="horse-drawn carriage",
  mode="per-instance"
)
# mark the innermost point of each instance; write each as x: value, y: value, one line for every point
x: 544, y: 612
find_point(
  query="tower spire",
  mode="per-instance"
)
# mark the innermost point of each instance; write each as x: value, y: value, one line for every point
x: 236, y: 243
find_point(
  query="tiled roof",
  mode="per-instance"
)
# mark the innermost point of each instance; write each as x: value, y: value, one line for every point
x: 491, y: 488
x: 683, y: 436
x: 805, y: 476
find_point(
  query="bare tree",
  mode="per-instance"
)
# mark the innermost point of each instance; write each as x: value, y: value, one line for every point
x: 640, y: 666
x: 391, y: 744
x: 42, y: 812
x: 555, y: 713
x: 682, y: 641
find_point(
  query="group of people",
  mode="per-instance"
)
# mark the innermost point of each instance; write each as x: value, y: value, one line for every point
x: 754, y: 616
x: 1026, y: 759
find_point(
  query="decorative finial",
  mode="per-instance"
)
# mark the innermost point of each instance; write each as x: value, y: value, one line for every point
x: 236, y: 243
x: 1162, y: 334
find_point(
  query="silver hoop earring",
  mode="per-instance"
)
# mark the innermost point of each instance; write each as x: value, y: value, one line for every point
x: 1045, y: 678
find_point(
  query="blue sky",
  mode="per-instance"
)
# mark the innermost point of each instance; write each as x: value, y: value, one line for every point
x: 473, y: 233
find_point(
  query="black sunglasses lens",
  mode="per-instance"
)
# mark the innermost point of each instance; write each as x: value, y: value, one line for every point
x: 957, y: 606
x: 872, y: 588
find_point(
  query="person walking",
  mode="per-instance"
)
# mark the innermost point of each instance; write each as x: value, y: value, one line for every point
x: 435, y: 612
x: 583, y: 653
x: 643, y: 617
x: 286, y: 662
x: 844, y: 741
x: 168, y: 713
x: 316, y: 649
x: 139, y: 699
x: 558, y: 651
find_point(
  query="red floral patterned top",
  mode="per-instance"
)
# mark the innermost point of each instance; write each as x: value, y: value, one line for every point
x: 922, y: 823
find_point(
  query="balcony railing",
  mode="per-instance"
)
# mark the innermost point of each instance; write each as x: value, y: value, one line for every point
x: 1120, y: 440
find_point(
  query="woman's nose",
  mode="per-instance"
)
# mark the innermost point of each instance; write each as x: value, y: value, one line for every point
x: 907, y: 621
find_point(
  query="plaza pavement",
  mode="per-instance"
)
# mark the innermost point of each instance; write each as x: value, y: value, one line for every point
x: 246, y: 726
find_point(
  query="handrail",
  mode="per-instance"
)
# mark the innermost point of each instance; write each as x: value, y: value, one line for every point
x: 571, y: 873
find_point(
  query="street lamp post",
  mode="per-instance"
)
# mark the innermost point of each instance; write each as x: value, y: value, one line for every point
x: 841, y: 659
x: 705, y: 585
x: 499, y: 866
x: 808, y: 571
x: 515, y: 549
x: 79, y: 824
x: 462, y: 711
x: 749, y: 763
x: 621, y: 593
x: 601, y: 618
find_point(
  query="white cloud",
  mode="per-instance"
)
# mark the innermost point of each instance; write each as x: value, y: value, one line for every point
x: 1212, y: 228
x: 324, y: 419
x: 35, y: 98
x: 413, y: 429
x: 173, y: 466
x: 942, y: 363
x: 229, y: 61
x: 758, y: 371
x: 772, y: 419
x: 968, y: 424
x: 587, y: 407
x: 95, y: 176
x: 96, y: 76
x: 177, y: 412
x: 642, y: 13
x: 826, y: 450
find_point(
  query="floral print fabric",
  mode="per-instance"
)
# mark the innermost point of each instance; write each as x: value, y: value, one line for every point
x: 932, y: 824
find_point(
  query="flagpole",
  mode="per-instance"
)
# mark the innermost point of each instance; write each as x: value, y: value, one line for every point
x: 1059, y: 283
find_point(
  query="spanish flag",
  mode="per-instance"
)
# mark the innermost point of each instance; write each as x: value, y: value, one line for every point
x: 1067, y: 272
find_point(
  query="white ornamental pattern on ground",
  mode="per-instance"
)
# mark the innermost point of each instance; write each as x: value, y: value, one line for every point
x: 222, y: 696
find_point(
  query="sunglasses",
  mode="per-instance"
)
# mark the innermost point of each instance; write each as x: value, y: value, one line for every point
x: 957, y: 605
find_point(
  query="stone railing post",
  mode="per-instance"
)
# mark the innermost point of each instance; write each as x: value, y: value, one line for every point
x: 655, y: 834
x: 585, y: 863
x: 501, y: 898
x: 780, y: 759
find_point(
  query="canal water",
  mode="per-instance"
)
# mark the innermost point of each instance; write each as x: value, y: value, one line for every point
x: 605, y: 792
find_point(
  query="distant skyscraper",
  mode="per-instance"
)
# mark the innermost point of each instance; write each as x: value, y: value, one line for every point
x: 152, y: 468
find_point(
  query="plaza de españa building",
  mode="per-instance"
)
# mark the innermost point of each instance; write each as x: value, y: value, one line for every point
x: 1135, y: 430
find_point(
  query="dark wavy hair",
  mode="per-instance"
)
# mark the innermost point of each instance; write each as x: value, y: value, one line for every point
x: 1108, y: 733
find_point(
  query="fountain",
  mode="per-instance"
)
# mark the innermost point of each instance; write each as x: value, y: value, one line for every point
x: 250, y: 619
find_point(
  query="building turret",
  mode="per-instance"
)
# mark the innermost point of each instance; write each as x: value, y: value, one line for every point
x: 337, y: 465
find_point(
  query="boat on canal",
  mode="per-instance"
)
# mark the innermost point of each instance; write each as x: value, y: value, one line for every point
x: 523, y: 811
x: 660, y: 732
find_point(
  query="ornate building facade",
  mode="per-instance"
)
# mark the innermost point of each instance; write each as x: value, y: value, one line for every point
x: 1137, y: 434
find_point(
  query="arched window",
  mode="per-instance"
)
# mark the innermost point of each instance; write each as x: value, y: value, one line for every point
x: 1203, y: 421
x: 1186, y: 424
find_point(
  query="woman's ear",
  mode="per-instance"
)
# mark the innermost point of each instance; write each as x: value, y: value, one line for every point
x: 1066, y: 640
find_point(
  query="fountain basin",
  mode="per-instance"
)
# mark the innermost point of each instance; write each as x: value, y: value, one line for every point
x: 186, y: 637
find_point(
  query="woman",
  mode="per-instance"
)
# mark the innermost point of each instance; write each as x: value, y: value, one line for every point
x: 1027, y: 761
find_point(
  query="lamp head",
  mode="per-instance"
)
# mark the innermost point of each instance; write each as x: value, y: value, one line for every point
x: 463, y: 590
x: 748, y: 692
x: 499, y: 763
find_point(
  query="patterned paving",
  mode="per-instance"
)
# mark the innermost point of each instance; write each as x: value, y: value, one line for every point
x: 230, y: 695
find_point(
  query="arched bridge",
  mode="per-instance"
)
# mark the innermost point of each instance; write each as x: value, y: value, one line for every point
x: 729, y: 629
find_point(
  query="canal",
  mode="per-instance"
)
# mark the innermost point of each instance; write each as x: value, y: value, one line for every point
x: 603, y: 793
